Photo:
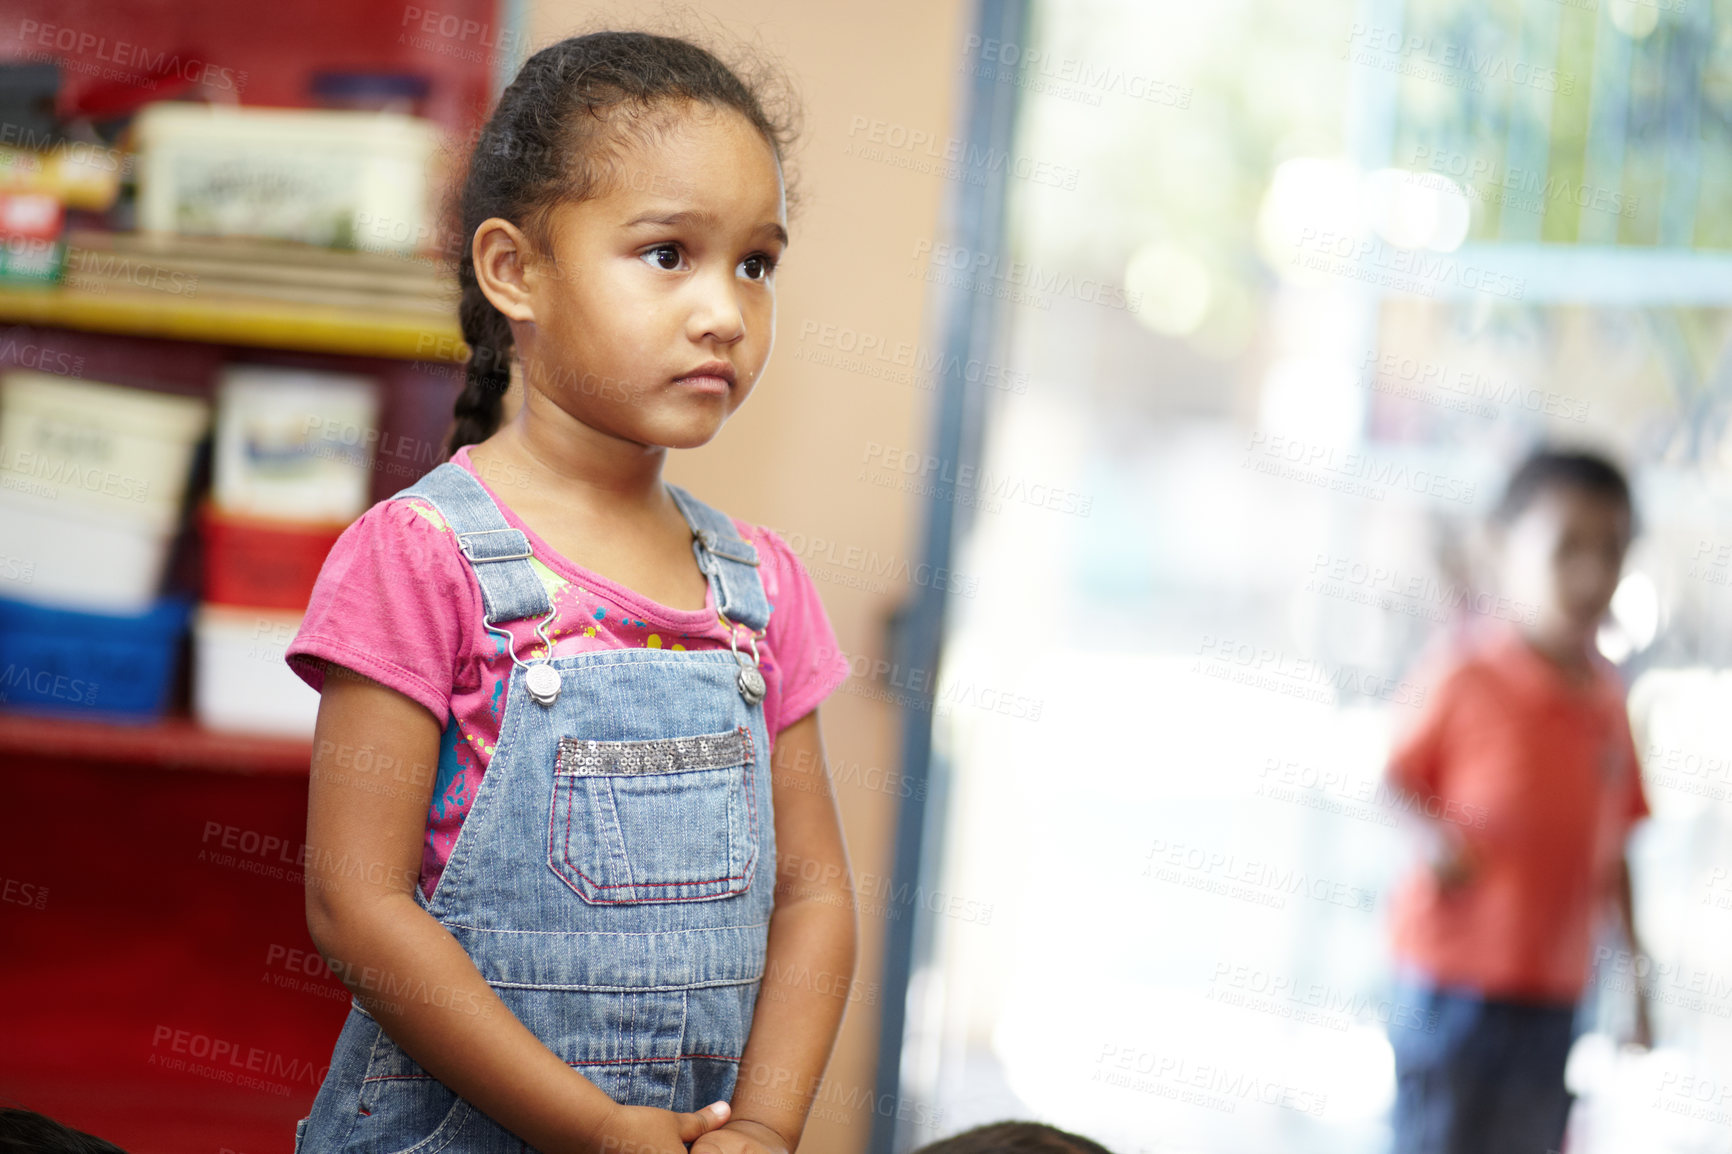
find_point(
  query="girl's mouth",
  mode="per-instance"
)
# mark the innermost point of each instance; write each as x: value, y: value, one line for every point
x: 715, y: 377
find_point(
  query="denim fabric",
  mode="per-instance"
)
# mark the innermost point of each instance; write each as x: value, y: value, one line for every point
x: 614, y: 880
x: 1489, y: 1079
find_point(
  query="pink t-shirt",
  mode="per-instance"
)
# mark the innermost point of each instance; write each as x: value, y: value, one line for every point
x: 397, y: 603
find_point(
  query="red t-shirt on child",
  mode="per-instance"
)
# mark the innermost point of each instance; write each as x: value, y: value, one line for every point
x: 1541, y: 778
x: 397, y: 603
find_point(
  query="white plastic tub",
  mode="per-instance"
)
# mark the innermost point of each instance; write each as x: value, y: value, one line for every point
x: 332, y: 178
x: 294, y: 444
x: 119, y: 453
x: 70, y: 557
x: 240, y: 681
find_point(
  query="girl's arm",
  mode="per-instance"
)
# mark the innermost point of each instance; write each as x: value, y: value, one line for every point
x: 810, y: 964
x: 365, y: 828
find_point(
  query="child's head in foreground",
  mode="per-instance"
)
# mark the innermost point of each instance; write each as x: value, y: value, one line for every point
x: 26, y: 1132
x: 1014, y: 1138
x: 1561, y: 530
x: 624, y: 211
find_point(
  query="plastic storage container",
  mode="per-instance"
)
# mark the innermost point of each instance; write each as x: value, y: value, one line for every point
x: 98, y: 450
x: 335, y: 178
x: 100, y: 666
x: 294, y: 444
x: 263, y: 564
x: 31, y: 249
x: 240, y: 680
x: 72, y: 557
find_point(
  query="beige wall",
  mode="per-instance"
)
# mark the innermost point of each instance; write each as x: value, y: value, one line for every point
x: 790, y: 458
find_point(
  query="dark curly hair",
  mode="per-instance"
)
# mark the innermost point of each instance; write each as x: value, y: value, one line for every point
x: 26, y: 1132
x: 549, y: 141
x: 1546, y: 469
x: 1014, y: 1138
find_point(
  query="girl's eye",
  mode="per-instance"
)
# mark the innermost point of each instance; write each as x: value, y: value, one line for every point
x: 664, y: 256
x: 757, y: 267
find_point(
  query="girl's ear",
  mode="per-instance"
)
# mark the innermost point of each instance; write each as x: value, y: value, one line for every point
x: 502, y: 254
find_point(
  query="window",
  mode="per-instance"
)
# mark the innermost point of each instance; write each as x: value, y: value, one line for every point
x: 1285, y: 290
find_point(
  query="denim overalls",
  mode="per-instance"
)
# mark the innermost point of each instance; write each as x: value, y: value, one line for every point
x: 614, y: 878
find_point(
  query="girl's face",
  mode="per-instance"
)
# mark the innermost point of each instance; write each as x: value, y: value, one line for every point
x: 655, y: 310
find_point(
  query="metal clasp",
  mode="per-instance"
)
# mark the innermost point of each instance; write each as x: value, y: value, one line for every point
x: 463, y: 546
x: 542, y: 687
x: 708, y: 537
x: 750, y: 679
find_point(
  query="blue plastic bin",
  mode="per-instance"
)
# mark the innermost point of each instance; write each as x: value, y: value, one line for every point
x: 93, y: 665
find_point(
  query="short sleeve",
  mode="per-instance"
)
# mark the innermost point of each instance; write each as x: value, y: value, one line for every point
x: 799, y: 633
x: 394, y: 603
x: 1416, y: 760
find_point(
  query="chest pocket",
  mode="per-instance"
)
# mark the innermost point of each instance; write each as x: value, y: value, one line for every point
x: 659, y: 820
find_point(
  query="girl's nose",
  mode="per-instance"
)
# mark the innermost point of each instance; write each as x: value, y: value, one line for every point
x: 716, y: 313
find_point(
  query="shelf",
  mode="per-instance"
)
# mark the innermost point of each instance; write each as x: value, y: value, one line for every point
x: 173, y: 743
x: 1622, y: 276
x: 238, y: 321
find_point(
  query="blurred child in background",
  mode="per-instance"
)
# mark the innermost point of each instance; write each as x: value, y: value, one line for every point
x: 1523, y: 777
x: 1014, y: 1138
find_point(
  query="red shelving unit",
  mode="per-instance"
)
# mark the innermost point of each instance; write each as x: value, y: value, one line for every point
x: 161, y: 988
x: 154, y: 935
x: 173, y: 743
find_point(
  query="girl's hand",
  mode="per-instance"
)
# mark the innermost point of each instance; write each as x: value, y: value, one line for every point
x: 741, y: 1137
x: 648, y: 1130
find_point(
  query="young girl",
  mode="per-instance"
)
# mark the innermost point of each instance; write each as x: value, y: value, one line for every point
x: 543, y: 832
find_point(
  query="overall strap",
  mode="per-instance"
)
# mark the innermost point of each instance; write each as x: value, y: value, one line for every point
x: 498, y: 553
x: 727, y: 559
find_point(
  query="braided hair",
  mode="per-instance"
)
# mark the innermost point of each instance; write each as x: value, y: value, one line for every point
x: 547, y: 142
